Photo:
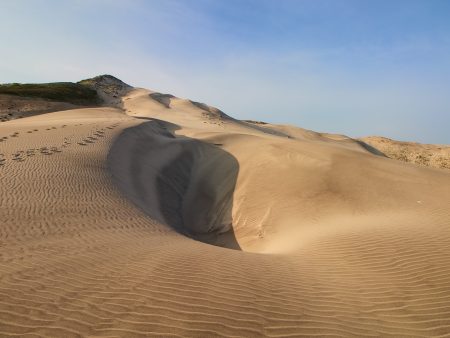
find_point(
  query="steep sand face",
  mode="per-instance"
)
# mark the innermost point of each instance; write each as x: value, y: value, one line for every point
x: 190, y: 187
x: 104, y: 214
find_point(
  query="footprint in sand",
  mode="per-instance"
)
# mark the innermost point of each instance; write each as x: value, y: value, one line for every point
x: 66, y: 143
x: 18, y: 156
x: 49, y: 151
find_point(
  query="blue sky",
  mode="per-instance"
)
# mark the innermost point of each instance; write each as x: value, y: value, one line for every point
x: 363, y: 67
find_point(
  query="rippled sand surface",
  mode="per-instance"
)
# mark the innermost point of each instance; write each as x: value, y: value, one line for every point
x: 169, y: 218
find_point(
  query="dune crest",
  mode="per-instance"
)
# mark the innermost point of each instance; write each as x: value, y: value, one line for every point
x: 315, y: 178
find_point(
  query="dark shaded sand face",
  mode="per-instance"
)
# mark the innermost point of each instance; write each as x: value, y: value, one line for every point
x: 187, y: 197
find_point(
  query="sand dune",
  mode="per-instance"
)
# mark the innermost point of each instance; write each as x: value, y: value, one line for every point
x: 430, y: 155
x: 160, y: 216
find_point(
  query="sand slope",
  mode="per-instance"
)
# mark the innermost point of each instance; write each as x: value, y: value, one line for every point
x: 108, y: 216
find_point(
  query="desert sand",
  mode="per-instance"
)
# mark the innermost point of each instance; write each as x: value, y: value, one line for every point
x: 160, y: 216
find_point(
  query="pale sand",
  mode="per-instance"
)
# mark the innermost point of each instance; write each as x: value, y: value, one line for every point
x: 101, y: 209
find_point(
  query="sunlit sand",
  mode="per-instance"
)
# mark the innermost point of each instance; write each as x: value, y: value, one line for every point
x: 156, y: 215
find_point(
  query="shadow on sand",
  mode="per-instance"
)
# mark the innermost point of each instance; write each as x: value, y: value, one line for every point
x: 185, y: 183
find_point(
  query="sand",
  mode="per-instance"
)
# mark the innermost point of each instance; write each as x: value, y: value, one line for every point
x: 165, y: 217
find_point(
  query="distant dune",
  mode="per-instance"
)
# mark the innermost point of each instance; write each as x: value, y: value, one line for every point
x: 430, y: 155
x: 142, y: 214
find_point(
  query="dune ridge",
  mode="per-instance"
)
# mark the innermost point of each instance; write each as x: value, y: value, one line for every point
x: 119, y: 220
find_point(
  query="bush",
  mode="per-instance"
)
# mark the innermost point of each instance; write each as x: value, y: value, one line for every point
x: 59, y: 91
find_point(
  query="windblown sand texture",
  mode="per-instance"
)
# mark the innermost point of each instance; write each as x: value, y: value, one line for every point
x: 165, y: 217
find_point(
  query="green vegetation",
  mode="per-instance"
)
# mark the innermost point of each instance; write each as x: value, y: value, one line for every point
x: 58, y: 91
